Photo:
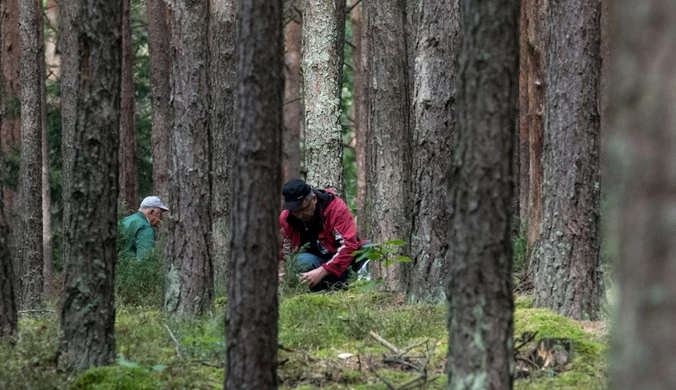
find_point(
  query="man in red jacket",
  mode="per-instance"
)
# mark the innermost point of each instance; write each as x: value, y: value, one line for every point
x: 321, y: 223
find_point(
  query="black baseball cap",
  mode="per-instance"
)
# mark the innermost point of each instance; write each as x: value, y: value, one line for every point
x: 294, y: 192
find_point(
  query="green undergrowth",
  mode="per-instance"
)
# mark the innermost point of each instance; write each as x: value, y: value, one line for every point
x: 324, y: 343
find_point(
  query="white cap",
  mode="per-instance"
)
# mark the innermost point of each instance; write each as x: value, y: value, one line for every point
x: 153, y: 201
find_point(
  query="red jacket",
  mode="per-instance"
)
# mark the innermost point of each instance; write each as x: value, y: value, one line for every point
x: 339, y: 236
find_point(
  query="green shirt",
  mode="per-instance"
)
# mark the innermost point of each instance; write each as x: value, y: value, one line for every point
x: 139, y: 235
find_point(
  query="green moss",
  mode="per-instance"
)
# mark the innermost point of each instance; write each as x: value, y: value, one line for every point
x: 117, y: 378
x: 523, y: 302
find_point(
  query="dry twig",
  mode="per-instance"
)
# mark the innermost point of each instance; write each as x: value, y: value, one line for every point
x: 178, y: 349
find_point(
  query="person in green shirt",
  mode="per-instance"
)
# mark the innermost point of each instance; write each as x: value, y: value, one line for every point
x: 139, y: 228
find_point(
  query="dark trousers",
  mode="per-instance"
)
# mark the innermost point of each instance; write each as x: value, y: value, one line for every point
x: 307, y: 262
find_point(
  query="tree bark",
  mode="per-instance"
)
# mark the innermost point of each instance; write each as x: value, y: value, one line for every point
x: 389, y: 134
x: 481, y: 305
x: 190, y: 280
x: 252, y: 311
x: 11, y: 68
x: 433, y: 110
x: 29, y: 245
x: 47, y: 236
x: 643, y: 140
x: 222, y: 138
x: 292, y: 93
x: 522, y: 146
x: 360, y: 105
x: 322, y: 63
x: 160, y: 91
x: 566, y: 255
x: 52, y: 55
x: 128, y: 179
x: 88, y: 315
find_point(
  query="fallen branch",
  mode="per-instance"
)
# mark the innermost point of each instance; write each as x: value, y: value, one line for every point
x: 385, y: 343
x: 178, y: 349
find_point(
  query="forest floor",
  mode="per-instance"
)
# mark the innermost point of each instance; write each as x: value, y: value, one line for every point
x: 346, y: 340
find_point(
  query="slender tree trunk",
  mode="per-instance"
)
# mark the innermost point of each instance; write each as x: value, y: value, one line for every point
x: 360, y: 105
x: 389, y: 134
x: 432, y: 147
x: 643, y: 114
x: 190, y: 283
x: 522, y: 146
x: 47, y: 242
x: 127, y: 159
x: 566, y: 255
x: 10, y: 129
x: 223, y: 46
x: 30, y: 190
x: 252, y: 312
x: 160, y: 91
x: 323, y: 39
x: 70, y: 66
x: 88, y: 315
x: 292, y: 93
x: 52, y: 55
x: 480, y: 352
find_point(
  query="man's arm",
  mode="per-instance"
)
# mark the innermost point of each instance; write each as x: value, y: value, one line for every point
x: 145, y: 241
x: 345, y: 233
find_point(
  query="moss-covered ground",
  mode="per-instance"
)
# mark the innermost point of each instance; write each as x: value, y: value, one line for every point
x: 324, y: 343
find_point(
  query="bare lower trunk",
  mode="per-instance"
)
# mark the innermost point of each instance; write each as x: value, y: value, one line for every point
x: 87, y: 336
x: 30, y: 291
x: 10, y: 129
x: 252, y: 311
x: 292, y: 91
x: 480, y: 347
x: 643, y: 114
x: 523, y: 180
x: 47, y: 242
x: 360, y: 106
x: 160, y: 91
x: 8, y: 312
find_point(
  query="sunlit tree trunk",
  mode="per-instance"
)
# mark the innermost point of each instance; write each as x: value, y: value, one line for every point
x: 127, y: 159
x: 433, y: 111
x: 87, y: 336
x: 190, y: 280
x: 160, y: 91
x: 480, y: 343
x: 292, y: 91
x: 252, y: 310
x: 389, y: 154
x: 566, y: 254
x: 322, y: 64
x: 642, y: 146
x: 222, y: 138
x: 29, y: 244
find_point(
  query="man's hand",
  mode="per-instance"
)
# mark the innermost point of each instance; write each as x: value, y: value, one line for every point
x: 313, y: 277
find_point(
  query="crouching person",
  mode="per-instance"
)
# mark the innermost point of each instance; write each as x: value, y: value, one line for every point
x: 321, y: 223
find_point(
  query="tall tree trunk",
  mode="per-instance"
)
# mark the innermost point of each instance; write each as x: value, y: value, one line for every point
x: 566, y: 255
x: 481, y: 305
x: 223, y: 40
x: 292, y: 92
x: 523, y: 181
x: 323, y: 39
x: 52, y: 55
x: 128, y: 175
x: 535, y: 88
x: 360, y: 105
x: 190, y: 280
x: 643, y: 118
x: 30, y: 190
x: 389, y: 134
x: 10, y: 130
x: 47, y: 242
x: 252, y: 312
x: 88, y: 315
x: 70, y: 66
x: 160, y: 91
x: 432, y: 147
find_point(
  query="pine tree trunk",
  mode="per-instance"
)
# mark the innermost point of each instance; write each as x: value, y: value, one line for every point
x: 88, y: 315
x: 252, y: 310
x: 292, y: 93
x: 643, y: 119
x: 389, y: 134
x: 29, y: 245
x: 536, y: 87
x: 127, y: 159
x: 360, y: 105
x: 10, y: 129
x: 433, y: 114
x: 222, y: 128
x: 160, y: 91
x: 566, y: 255
x: 480, y: 344
x: 47, y: 237
x: 323, y: 38
x: 190, y: 280
x: 522, y: 146
x: 52, y: 55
